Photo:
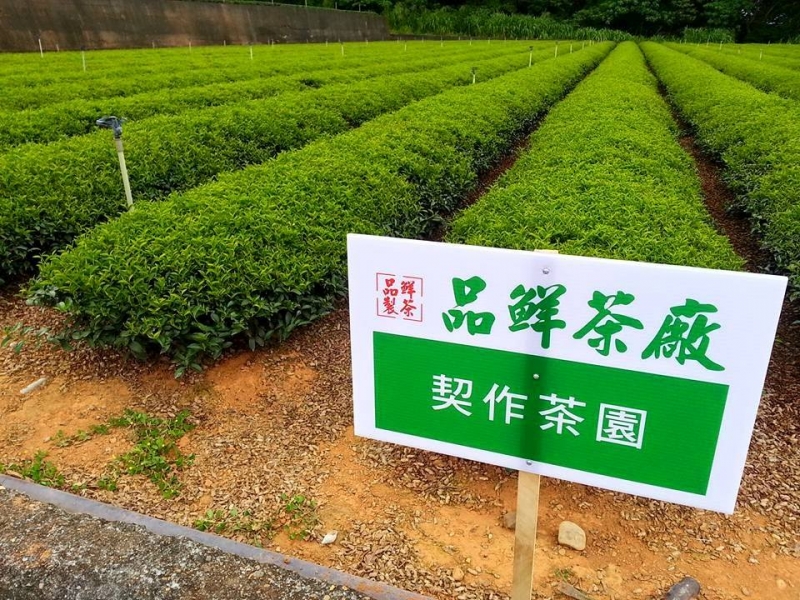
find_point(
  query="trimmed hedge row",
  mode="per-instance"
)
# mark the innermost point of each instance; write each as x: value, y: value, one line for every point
x: 99, y: 87
x: 770, y: 78
x: 767, y: 58
x: 757, y: 137
x: 262, y: 251
x: 174, y: 74
x: 67, y: 67
x: 77, y: 117
x: 604, y: 176
x: 50, y: 194
x: 790, y: 51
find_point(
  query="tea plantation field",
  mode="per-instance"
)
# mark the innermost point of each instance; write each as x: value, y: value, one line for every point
x: 248, y: 167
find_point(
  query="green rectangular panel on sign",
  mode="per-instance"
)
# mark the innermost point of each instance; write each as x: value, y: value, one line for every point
x: 640, y: 427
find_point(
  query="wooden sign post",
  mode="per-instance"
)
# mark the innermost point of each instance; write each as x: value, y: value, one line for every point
x: 525, y: 535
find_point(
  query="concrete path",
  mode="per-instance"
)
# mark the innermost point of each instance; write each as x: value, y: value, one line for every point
x: 57, y: 546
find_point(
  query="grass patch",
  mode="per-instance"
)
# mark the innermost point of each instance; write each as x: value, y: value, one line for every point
x: 232, y: 520
x: 565, y: 574
x: 155, y: 453
x: 299, y: 516
x: 37, y: 469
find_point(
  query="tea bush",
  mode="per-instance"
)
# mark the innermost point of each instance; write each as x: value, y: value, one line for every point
x: 59, y: 120
x: 756, y: 136
x: 770, y: 78
x: 604, y: 176
x: 118, y: 77
x: 262, y: 251
x: 51, y: 193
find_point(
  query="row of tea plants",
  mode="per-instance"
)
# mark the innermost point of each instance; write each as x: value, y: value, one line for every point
x: 50, y: 193
x: 765, y: 76
x: 756, y: 135
x: 65, y: 118
x: 604, y: 176
x: 262, y: 251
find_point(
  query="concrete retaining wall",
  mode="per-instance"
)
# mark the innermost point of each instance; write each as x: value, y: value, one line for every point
x: 94, y: 24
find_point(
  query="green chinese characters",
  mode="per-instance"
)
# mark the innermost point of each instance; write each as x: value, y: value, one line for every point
x: 540, y: 305
x: 466, y: 292
x: 684, y: 334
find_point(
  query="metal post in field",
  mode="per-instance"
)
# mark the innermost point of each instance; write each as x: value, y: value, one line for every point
x: 115, y: 125
x: 83, y: 60
x: 41, y: 51
x: 530, y: 56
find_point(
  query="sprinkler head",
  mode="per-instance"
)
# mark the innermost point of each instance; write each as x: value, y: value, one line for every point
x: 112, y: 123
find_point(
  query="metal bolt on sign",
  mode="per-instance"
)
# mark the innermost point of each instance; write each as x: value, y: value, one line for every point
x: 115, y: 125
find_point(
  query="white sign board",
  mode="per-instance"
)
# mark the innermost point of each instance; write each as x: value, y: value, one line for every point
x: 634, y: 377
